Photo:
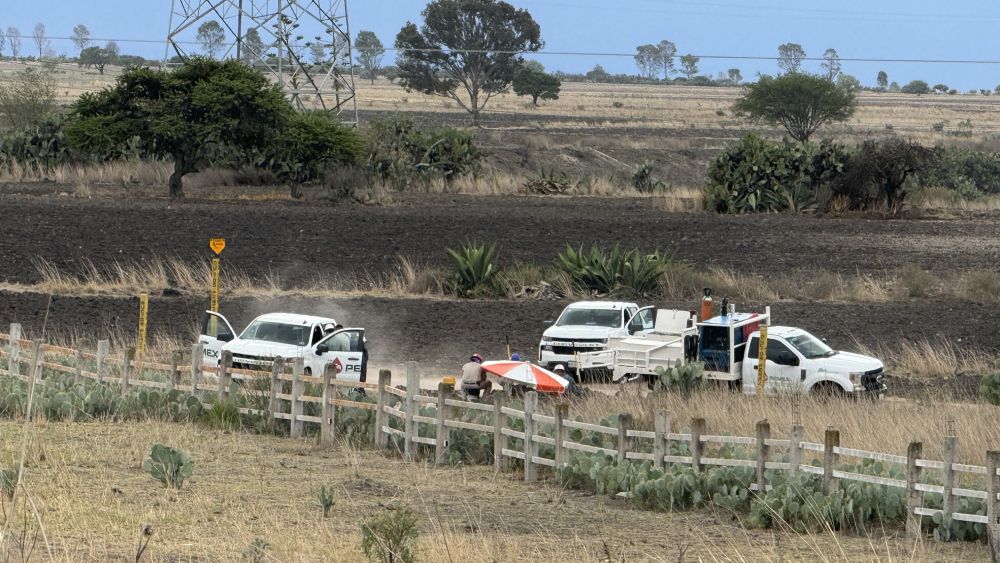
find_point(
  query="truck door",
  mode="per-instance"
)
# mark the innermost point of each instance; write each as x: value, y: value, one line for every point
x: 215, y: 332
x: 782, y: 366
x: 643, y: 321
x: 347, y: 351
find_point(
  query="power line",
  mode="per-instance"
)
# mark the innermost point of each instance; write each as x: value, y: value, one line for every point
x: 621, y: 54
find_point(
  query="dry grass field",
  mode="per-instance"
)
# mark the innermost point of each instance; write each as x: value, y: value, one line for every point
x: 88, y: 499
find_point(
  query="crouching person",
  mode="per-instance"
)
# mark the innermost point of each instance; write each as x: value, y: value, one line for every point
x: 474, y: 381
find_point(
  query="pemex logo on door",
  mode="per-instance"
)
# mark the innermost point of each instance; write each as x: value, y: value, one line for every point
x: 337, y: 366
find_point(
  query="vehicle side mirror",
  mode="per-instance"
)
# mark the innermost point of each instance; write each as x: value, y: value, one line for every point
x: 322, y: 349
x: 224, y: 337
x: 547, y: 323
x: 788, y: 359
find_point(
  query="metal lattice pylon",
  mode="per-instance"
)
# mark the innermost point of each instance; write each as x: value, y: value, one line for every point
x: 304, y: 45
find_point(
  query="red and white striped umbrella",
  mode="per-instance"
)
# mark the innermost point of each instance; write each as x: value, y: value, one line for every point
x: 526, y: 373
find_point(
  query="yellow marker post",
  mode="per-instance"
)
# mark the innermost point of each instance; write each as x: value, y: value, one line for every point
x: 217, y: 245
x: 140, y: 345
x: 762, y: 359
x: 216, y: 263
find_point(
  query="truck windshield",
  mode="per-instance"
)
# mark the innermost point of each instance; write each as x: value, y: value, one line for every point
x: 810, y: 346
x: 610, y: 318
x: 294, y: 335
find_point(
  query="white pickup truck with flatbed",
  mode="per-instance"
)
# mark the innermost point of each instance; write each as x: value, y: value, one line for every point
x: 584, y: 326
x: 317, y: 340
x: 728, y: 347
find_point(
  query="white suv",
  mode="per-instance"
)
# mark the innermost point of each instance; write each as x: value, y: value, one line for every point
x: 584, y: 326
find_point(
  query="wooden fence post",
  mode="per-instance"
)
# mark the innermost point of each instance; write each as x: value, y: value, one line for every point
x: 992, y: 504
x: 15, y: 350
x: 197, y: 351
x: 763, y: 451
x: 328, y: 426
x: 950, y: 453
x: 561, y: 433
x: 103, y: 347
x: 443, y: 432
x: 530, y: 469
x: 274, y: 404
x: 127, y: 370
x: 697, y: 429
x: 175, y: 371
x: 913, y: 496
x: 661, y: 427
x: 35, y: 370
x: 831, y: 440
x: 381, y: 420
x: 225, y: 377
x: 32, y: 376
x: 409, y: 409
x: 499, y: 440
x: 624, y: 441
x: 78, y: 367
x: 298, y: 386
x: 795, y: 448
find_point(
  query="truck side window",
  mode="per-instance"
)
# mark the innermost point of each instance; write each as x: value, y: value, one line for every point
x: 775, y: 349
x: 317, y: 334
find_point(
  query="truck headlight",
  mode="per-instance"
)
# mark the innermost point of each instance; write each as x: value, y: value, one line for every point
x: 546, y: 347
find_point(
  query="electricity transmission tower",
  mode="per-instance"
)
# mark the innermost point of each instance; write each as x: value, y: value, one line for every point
x: 303, y: 45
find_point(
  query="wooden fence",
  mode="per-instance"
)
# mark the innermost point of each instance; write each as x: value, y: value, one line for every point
x: 766, y: 449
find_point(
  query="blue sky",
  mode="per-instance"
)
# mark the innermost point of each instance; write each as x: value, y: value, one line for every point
x: 890, y: 29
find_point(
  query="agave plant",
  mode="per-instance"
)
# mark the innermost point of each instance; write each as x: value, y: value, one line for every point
x: 475, y: 269
x: 614, y: 272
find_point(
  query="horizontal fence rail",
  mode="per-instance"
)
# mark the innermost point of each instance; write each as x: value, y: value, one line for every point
x: 400, y: 422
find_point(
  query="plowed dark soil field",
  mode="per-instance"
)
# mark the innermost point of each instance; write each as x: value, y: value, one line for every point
x: 303, y: 241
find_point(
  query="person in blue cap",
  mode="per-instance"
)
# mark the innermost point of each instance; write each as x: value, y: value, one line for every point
x: 515, y: 357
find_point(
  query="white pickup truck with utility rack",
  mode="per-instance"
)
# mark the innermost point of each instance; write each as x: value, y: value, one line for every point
x: 728, y: 347
x: 316, y: 340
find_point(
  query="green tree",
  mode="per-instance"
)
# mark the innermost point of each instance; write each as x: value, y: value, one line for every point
x: 882, y: 80
x: 690, y: 64
x: 647, y: 58
x: 916, y: 87
x: 202, y: 109
x: 370, y: 52
x: 81, y: 37
x: 884, y: 165
x: 466, y: 45
x: 735, y: 75
x: 99, y: 57
x: 831, y: 64
x: 790, y: 57
x: 537, y: 84
x: 597, y: 74
x: 667, y: 51
x: 252, y: 48
x: 801, y: 103
x: 940, y: 88
x: 848, y: 82
x: 211, y: 36
x: 311, y: 143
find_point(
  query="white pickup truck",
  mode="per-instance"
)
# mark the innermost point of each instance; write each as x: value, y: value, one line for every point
x: 728, y: 346
x: 314, y: 339
x: 582, y: 327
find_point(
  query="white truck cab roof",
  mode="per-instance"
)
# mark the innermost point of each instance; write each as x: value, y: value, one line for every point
x: 294, y: 319
x: 600, y: 305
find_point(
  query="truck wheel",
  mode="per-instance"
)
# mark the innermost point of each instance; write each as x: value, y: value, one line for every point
x: 827, y: 391
x: 307, y: 372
